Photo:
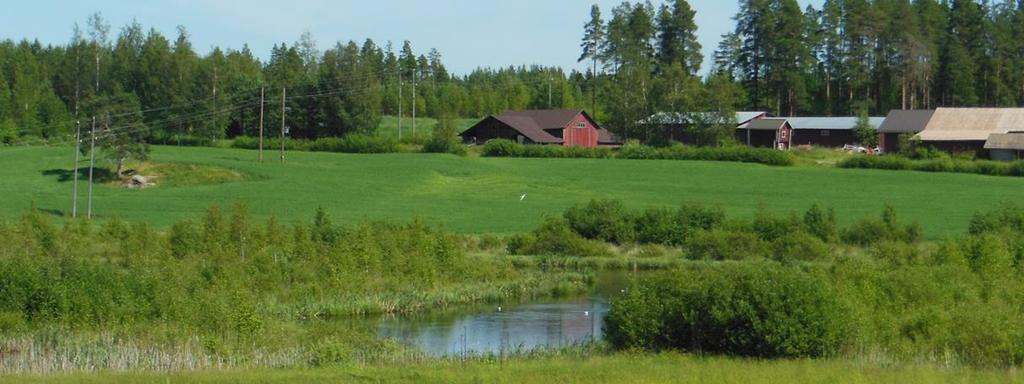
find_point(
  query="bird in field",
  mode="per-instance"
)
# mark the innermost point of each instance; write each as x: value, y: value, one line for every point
x: 523, y: 197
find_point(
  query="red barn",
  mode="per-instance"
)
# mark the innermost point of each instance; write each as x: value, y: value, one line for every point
x: 568, y: 127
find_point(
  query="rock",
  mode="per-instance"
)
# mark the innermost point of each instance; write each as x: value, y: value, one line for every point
x: 137, y: 182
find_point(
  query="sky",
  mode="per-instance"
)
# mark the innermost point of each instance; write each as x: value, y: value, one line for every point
x: 468, y: 33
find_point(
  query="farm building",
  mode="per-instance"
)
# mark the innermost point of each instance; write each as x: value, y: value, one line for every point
x: 568, y: 127
x: 827, y: 131
x: 900, y: 122
x: 955, y: 129
x: 766, y: 132
x: 1005, y: 146
x: 672, y: 126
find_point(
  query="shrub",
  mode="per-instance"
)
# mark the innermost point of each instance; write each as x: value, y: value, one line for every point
x: 748, y: 310
x: 554, y: 237
x: 875, y: 162
x: 606, y: 220
x: 719, y: 245
x: 351, y: 143
x: 867, y: 231
x: 636, y: 151
x: 799, y: 246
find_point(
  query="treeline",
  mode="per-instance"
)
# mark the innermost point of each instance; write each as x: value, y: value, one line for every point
x: 144, y: 81
x: 846, y: 58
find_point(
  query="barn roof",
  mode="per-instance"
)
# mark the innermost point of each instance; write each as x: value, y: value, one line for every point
x: 901, y: 121
x: 1014, y: 140
x: 971, y: 124
x: 831, y: 123
x: 605, y: 136
x: 742, y: 117
x: 529, y: 128
x: 534, y: 124
x: 766, y: 124
x: 545, y: 118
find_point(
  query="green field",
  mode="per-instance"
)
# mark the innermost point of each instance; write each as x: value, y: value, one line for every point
x: 625, y: 368
x: 424, y: 126
x: 482, y: 195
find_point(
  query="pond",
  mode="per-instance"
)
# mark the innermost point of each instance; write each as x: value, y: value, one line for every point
x: 498, y: 329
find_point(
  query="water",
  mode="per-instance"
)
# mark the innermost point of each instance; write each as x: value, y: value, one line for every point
x: 500, y: 329
x: 541, y: 324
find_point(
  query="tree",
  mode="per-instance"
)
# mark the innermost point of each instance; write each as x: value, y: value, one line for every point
x: 677, y: 37
x: 592, y: 46
x: 864, y: 132
x: 121, y: 131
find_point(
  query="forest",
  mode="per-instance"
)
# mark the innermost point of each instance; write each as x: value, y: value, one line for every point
x: 834, y: 59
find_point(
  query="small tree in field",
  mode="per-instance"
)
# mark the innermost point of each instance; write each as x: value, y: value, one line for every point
x: 120, y: 131
x: 864, y: 132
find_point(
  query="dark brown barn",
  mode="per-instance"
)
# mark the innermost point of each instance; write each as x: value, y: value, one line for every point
x: 550, y: 126
x: 900, y: 122
x: 767, y: 133
x: 827, y: 131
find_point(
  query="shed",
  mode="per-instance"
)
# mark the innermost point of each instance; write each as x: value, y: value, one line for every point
x: 1005, y: 146
x: 900, y: 122
x: 766, y: 132
x: 827, y: 131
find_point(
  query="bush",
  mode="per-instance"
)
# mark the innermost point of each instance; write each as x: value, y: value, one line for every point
x: 554, y: 237
x: 799, y: 246
x: 720, y: 245
x: 636, y: 151
x: 748, y: 310
x: 606, y: 220
x: 867, y: 231
x: 351, y: 143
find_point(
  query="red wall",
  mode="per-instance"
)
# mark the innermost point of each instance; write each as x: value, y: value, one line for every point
x: 580, y: 137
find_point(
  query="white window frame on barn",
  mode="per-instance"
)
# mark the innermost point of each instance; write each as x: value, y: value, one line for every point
x: 581, y: 125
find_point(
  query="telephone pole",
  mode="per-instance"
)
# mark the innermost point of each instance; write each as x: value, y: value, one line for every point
x: 92, y: 162
x: 74, y: 173
x: 261, y: 126
x: 414, y: 102
x: 549, y: 92
x: 284, y: 91
x: 400, y: 86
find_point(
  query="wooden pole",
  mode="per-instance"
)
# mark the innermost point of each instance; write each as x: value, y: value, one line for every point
x: 92, y: 162
x: 74, y: 172
x: 284, y: 91
x: 261, y: 126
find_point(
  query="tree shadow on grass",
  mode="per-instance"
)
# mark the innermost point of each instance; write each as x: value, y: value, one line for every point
x: 99, y: 175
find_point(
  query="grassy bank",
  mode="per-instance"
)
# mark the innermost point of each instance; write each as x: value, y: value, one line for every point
x: 620, y: 368
x: 483, y: 195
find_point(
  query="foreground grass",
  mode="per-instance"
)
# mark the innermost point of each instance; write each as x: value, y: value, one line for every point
x: 620, y: 368
x: 482, y: 195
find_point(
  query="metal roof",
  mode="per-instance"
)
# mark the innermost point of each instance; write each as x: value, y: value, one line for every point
x: 1005, y: 141
x: 901, y: 121
x: 766, y: 124
x: 688, y: 117
x: 971, y: 124
x: 831, y: 123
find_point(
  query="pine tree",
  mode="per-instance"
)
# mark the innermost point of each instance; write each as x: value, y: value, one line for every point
x: 677, y: 37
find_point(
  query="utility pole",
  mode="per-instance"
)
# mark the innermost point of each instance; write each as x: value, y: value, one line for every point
x: 284, y: 91
x: 92, y: 162
x: 549, y: 92
x: 74, y: 173
x: 400, y: 86
x: 261, y: 126
x: 414, y: 101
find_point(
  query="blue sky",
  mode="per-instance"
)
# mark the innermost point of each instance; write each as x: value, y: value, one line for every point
x: 469, y: 33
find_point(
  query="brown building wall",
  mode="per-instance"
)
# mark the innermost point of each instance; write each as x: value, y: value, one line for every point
x: 758, y: 137
x: 579, y: 137
x: 823, y: 137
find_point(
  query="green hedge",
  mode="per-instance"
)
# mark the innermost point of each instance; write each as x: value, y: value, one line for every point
x: 944, y: 164
x: 749, y: 309
x: 347, y: 144
x: 507, y: 148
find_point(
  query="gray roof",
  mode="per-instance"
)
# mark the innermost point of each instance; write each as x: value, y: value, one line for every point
x: 688, y: 117
x: 902, y: 121
x: 844, y: 123
x: 1005, y: 141
x: 766, y: 124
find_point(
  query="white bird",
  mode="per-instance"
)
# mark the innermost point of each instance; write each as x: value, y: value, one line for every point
x: 499, y: 308
x: 521, y: 198
x: 586, y: 313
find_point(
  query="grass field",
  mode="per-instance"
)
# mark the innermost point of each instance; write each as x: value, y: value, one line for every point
x: 482, y: 195
x: 424, y: 126
x: 625, y: 368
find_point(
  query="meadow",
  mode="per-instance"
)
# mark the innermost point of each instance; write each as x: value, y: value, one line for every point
x: 632, y: 368
x: 486, y: 195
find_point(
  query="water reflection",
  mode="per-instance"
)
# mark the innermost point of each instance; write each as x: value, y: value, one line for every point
x: 498, y: 330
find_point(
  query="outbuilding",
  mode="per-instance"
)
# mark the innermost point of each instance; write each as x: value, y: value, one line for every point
x: 568, y: 127
x: 1005, y: 146
x: 827, y: 131
x: 767, y: 132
